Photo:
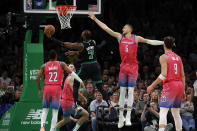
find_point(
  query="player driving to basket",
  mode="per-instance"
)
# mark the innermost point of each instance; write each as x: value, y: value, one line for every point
x: 128, y: 44
x: 90, y: 68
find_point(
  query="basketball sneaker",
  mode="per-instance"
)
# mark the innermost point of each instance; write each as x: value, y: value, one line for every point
x: 121, y: 122
x: 42, y: 129
x: 128, y: 121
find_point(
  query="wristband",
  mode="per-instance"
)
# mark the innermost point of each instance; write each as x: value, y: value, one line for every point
x: 161, y: 77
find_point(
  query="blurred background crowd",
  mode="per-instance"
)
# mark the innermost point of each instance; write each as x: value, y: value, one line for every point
x: 150, y: 19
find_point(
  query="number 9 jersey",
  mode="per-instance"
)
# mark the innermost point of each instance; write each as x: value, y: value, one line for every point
x: 173, y: 88
x: 174, y: 67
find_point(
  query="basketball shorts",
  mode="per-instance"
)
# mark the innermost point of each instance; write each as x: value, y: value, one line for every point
x: 51, y: 96
x: 90, y: 70
x: 128, y: 75
x: 69, y: 108
x: 172, y: 94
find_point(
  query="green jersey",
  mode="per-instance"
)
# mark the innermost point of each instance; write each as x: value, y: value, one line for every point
x: 89, y: 51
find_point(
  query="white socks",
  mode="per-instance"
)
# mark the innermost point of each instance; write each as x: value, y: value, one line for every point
x: 122, y: 100
x: 44, y: 116
x: 130, y: 101
x: 177, y: 118
x: 77, y: 126
x: 54, y: 119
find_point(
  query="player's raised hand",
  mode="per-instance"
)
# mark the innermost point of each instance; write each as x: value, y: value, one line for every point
x: 91, y: 16
x: 149, y: 89
x: 40, y: 93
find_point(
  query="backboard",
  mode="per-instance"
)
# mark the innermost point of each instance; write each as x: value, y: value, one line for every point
x: 48, y: 6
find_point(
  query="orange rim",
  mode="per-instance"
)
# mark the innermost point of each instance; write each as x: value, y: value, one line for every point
x: 62, y: 9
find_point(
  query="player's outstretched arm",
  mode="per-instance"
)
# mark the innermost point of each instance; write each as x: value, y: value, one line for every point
x: 105, y: 27
x: 75, y: 45
x: 140, y: 39
x: 40, y: 74
x: 163, y: 61
x: 73, y: 74
x: 69, y: 45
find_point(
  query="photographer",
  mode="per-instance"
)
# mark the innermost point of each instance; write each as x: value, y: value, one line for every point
x: 150, y: 117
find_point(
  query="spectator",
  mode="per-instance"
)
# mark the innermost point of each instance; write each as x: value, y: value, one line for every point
x: 112, y: 71
x: 3, y: 88
x: 106, y: 90
x: 142, y: 92
x: 17, y: 81
x: 195, y: 99
x: 93, y: 106
x: 90, y: 93
x: 154, y: 98
x: 106, y: 72
x: 111, y: 80
x: 187, y: 109
x: 4, y: 77
x: 140, y: 105
x: 114, y: 99
x: 136, y: 99
x: 145, y: 73
x: 105, y: 78
x: 18, y: 93
x: 150, y: 117
x: 5, y: 104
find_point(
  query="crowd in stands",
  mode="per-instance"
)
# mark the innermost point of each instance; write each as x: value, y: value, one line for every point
x: 154, y: 19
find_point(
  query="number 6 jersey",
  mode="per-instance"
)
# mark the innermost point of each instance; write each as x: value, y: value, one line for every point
x: 128, y: 50
x: 53, y: 73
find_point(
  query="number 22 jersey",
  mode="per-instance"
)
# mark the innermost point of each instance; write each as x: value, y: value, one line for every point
x: 53, y: 73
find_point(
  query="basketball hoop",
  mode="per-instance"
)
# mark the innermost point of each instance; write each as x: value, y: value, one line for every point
x: 65, y: 16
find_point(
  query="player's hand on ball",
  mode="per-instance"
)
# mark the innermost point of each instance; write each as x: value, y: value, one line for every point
x: 48, y: 35
x: 91, y: 16
x: 149, y: 89
x: 40, y: 93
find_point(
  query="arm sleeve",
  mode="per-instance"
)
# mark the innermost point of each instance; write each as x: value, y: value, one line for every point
x: 155, y: 42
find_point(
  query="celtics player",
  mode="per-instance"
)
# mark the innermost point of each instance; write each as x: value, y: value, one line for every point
x: 90, y: 68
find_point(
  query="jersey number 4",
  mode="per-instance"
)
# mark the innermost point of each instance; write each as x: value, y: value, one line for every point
x: 53, y: 77
x: 91, y: 54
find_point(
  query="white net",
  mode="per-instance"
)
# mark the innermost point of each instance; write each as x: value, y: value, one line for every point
x: 65, y: 13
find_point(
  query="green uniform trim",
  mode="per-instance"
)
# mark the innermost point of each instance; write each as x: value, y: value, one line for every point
x: 88, y: 62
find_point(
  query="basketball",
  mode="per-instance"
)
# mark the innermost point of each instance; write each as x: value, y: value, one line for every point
x: 49, y: 30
